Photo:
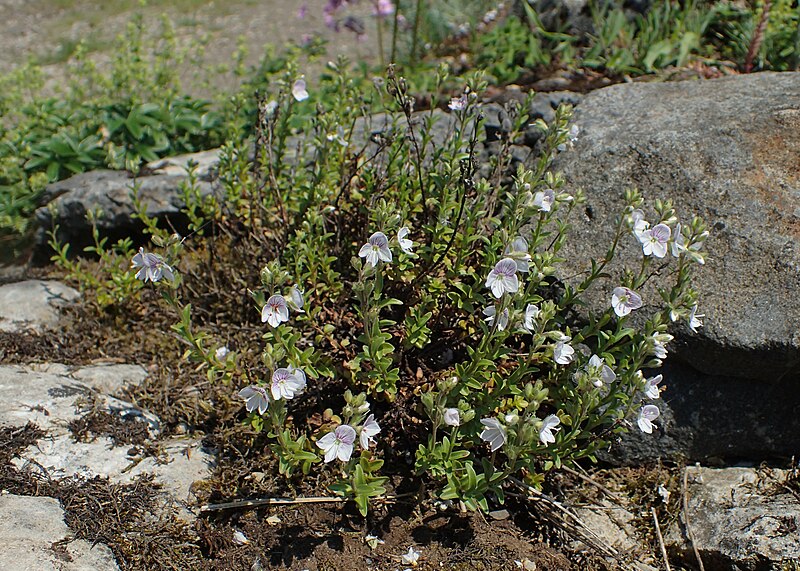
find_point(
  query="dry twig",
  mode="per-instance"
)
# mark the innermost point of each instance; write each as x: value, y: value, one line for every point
x: 571, y: 523
x: 239, y: 504
x: 589, y: 480
x: 660, y: 538
x: 758, y: 37
x: 689, y: 533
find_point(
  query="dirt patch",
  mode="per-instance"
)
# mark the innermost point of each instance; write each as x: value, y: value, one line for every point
x: 49, y: 30
x: 321, y: 538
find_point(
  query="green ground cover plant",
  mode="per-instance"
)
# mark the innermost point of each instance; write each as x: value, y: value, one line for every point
x: 668, y: 34
x: 391, y: 284
x: 134, y: 110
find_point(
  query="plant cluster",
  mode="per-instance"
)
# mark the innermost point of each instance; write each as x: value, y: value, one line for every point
x: 668, y: 34
x: 394, y: 279
x: 133, y: 111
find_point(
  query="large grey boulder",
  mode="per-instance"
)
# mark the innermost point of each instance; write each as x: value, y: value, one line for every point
x: 33, y: 305
x: 111, y: 192
x: 740, y: 518
x: 32, y: 527
x: 727, y: 150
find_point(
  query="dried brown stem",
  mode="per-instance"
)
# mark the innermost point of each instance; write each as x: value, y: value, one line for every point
x: 758, y: 37
x: 689, y: 533
x: 660, y: 538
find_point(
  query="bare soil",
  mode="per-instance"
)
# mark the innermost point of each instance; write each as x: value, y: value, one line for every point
x: 48, y: 30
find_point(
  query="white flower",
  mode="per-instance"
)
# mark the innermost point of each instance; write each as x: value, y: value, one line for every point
x: 647, y: 415
x: 655, y: 240
x: 694, y: 319
x: 338, y: 136
x: 640, y: 225
x: 287, y: 383
x: 299, y: 91
x: 549, y: 425
x: 221, y: 353
x: 563, y: 353
x: 410, y: 557
x: 368, y: 430
x: 491, y: 312
x: 493, y: 433
x: 518, y: 251
x: 376, y: 248
x: 624, y: 300
x: 152, y: 267
x: 256, y: 398
x: 544, y: 199
x: 275, y: 311
x: 270, y: 108
x: 503, y: 278
x: 664, y: 493
x: 599, y: 372
x: 678, y: 244
x: 458, y: 103
x: 339, y: 443
x: 531, y: 315
x: 239, y: 538
x: 572, y: 138
x: 659, y: 349
x: 405, y: 243
x: 296, y: 300
x: 660, y: 341
x: 452, y: 417
x: 651, y: 387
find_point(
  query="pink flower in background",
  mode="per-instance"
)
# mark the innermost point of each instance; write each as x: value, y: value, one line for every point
x: 382, y: 8
x: 330, y: 10
x: 302, y: 12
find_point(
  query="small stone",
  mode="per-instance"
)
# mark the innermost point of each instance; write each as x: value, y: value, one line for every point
x: 29, y: 528
x: 741, y: 518
x: 33, y: 305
